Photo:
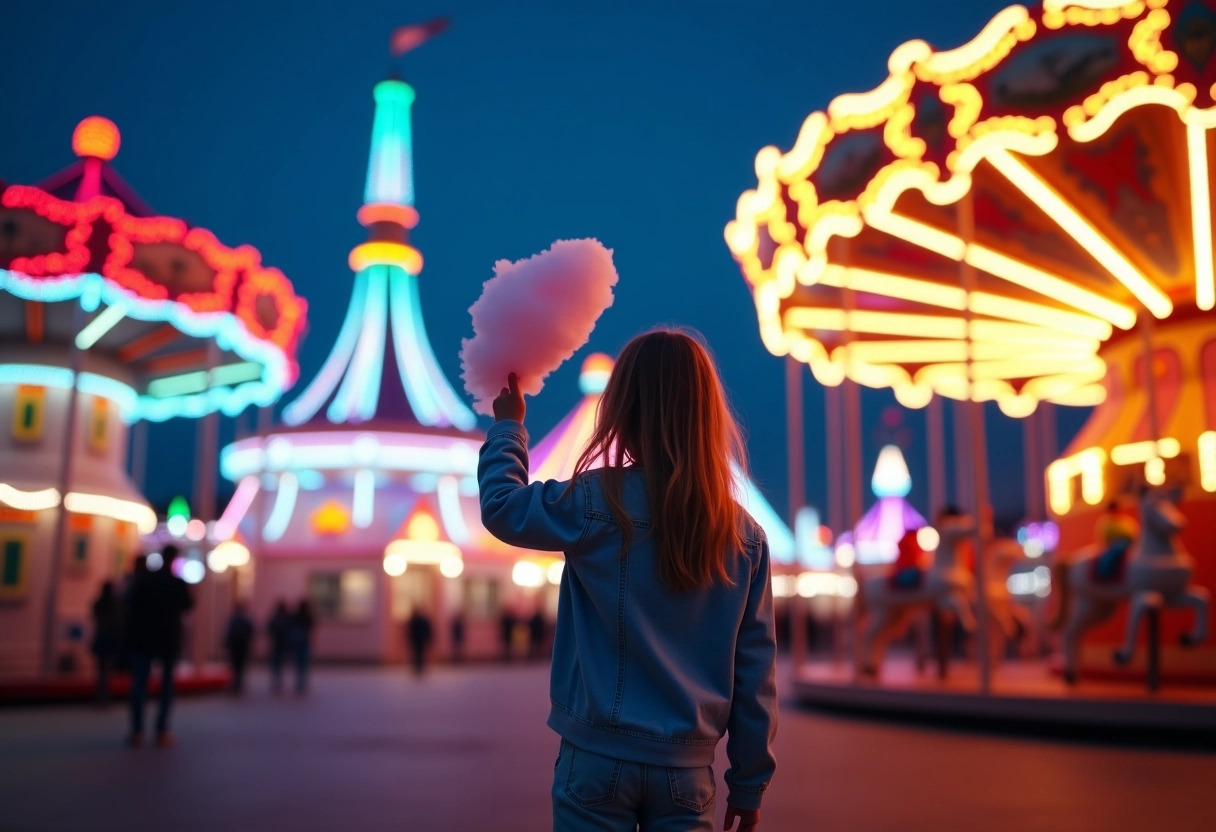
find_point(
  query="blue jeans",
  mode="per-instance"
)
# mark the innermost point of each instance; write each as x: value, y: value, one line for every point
x: 141, y: 669
x: 599, y: 794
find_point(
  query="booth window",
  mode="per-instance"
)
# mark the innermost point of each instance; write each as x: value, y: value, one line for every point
x: 347, y: 596
x: 28, y: 410
x: 13, y: 566
x: 99, y: 425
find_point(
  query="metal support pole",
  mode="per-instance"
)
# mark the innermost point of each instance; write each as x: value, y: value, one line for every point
x: 1033, y: 459
x: 795, y: 431
x: 206, y: 459
x: 978, y: 458
x: 50, y: 627
x: 936, y: 446
x: 834, y: 453
x: 139, y: 454
x: 1150, y: 377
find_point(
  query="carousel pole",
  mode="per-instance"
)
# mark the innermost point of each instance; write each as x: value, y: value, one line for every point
x: 978, y: 457
x: 832, y: 405
x: 139, y: 454
x: 795, y: 432
x: 50, y: 630
x: 853, y: 474
x: 207, y: 454
x: 1150, y: 379
x: 1033, y: 457
x: 936, y: 435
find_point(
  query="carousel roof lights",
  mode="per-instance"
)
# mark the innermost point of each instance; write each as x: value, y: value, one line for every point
x: 325, y: 452
x: 890, y: 168
x: 127, y: 511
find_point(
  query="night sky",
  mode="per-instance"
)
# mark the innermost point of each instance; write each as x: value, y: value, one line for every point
x: 634, y: 121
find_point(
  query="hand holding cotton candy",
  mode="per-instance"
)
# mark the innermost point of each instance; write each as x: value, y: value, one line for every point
x: 532, y: 315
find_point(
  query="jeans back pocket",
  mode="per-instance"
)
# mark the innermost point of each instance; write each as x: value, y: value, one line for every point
x: 692, y: 788
x: 590, y: 778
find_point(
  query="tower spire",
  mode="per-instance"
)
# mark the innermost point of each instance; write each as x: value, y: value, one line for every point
x: 382, y: 367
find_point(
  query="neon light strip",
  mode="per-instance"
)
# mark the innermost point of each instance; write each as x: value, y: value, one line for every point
x: 390, y: 169
x: 1077, y: 227
x: 397, y: 452
x: 1135, y: 453
x: 408, y: 334
x: 238, y: 506
x: 101, y: 505
x: 100, y: 325
x: 1207, y: 460
x: 225, y: 328
x: 364, y: 501
x: 310, y: 401
x: 61, y: 378
x: 28, y: 500
x: 1201, y: 216
x: 450, y: 510
x: 360, y: 391
x: 197, y: 380
x: 1089, y: 465
x: 284, y: 507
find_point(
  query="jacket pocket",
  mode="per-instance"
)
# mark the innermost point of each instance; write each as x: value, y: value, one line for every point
x: 590, y: 778
x: 692, y: 788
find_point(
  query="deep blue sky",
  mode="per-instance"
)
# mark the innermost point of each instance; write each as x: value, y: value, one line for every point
x: 634, y: 121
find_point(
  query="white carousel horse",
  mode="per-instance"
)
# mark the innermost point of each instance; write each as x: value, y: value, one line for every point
x: 945, y: 586
x: 1011, y: 619
x: 1156, y: 574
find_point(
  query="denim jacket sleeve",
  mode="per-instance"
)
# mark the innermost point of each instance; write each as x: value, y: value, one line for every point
x: 752, y: 725
x: 539, y: 515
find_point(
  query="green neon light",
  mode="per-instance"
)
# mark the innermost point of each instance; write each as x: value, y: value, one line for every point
x: 178, y: 507
x: 100, y: 325
x: 390, y: 173
x: 196, y: 381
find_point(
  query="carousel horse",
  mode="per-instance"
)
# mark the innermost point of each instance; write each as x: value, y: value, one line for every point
x: 1155, y: 573
x: 889, y: 605
x: 1012, y: 619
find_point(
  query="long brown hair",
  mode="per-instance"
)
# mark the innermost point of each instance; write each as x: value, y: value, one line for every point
x: 665, y: 412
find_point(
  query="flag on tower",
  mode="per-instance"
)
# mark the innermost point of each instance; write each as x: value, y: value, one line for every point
x: 407, y: 38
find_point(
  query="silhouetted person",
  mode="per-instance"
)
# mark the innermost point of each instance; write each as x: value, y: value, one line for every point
x: 537, y: 630
x: 154, y: 631
x: 302, y: 623
x: 458, y: 638
x: 279, y: 630
x: 507, y: 633
x: 238, y: 638
x: 420, y: 634
x: 107, y: 636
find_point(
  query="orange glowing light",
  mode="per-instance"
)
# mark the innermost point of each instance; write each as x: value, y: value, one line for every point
x: 96, y: 137
x: 405, y: 216
x: 330, y: 519
x: 385, y: 253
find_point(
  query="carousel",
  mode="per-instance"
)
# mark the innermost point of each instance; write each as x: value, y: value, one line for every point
x: 1027, y: 220
x: 110, y: 316
x: 364, y: 501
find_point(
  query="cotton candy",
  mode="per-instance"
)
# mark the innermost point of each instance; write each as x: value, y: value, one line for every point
x: 532, y: 315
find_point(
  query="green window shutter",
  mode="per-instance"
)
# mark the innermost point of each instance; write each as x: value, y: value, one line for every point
x: 10, y: 569
x: 80, y: 552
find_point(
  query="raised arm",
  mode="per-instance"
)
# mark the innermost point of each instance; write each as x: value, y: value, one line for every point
x: 542, y: 515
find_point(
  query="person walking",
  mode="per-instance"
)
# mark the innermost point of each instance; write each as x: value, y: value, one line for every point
x: 300, y: 636
x: 420, y: 634
x: 157, y: 602
x: 107, y: 637
x: 665, y: 638
x: 279, y: 630
x: 538, y: 629
x: 458, y: 638
x: 506, y: 631
x: 238, y: 638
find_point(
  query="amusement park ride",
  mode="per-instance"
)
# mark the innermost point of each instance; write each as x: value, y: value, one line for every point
x: 109, y: 315
x: 1026, y: 219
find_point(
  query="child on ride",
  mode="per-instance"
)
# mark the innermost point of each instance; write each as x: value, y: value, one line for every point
x: 664, y: 639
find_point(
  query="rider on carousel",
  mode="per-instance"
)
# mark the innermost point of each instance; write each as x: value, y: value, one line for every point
x: 1116, y: 530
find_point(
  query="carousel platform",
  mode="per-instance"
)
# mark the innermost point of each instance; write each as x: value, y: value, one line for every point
x: 210, y: 678
x: 1024, y: 695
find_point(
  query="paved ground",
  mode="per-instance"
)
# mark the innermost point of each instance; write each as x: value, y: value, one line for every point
x: 466, y: 749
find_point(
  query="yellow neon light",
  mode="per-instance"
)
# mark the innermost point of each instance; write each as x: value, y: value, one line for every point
x: 808, y: 149
x: 1080, y: 230
x: 101, y: 505
x: 429, y: 552
x: 1088, y: 465
x: 896, y: 286
x: 1049, y: 285
x: 28, y: 500
x: 1201, y: 216
x: 984, y: 51
x: 999, y: 306
x: 1134, y: 453
x: 916, y: 232
x: 1145, y: 43
x: 1154, y: 471
x: 382, y: 253
x: 967, y: 103
x: 1207, y: 460
x: 1088, y: 121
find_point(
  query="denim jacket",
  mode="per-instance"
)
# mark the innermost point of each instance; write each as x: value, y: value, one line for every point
x: 639, y: 672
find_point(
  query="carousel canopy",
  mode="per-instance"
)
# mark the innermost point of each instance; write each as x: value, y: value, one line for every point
x: 988, y: 219
x: 171, y: 322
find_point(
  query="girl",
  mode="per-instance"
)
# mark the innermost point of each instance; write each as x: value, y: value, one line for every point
x: 664, y: 638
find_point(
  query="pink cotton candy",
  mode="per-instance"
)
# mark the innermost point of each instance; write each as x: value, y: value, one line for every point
x: 532, y: 315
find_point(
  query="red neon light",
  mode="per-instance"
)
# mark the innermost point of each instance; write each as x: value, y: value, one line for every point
x: 103, y: 237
